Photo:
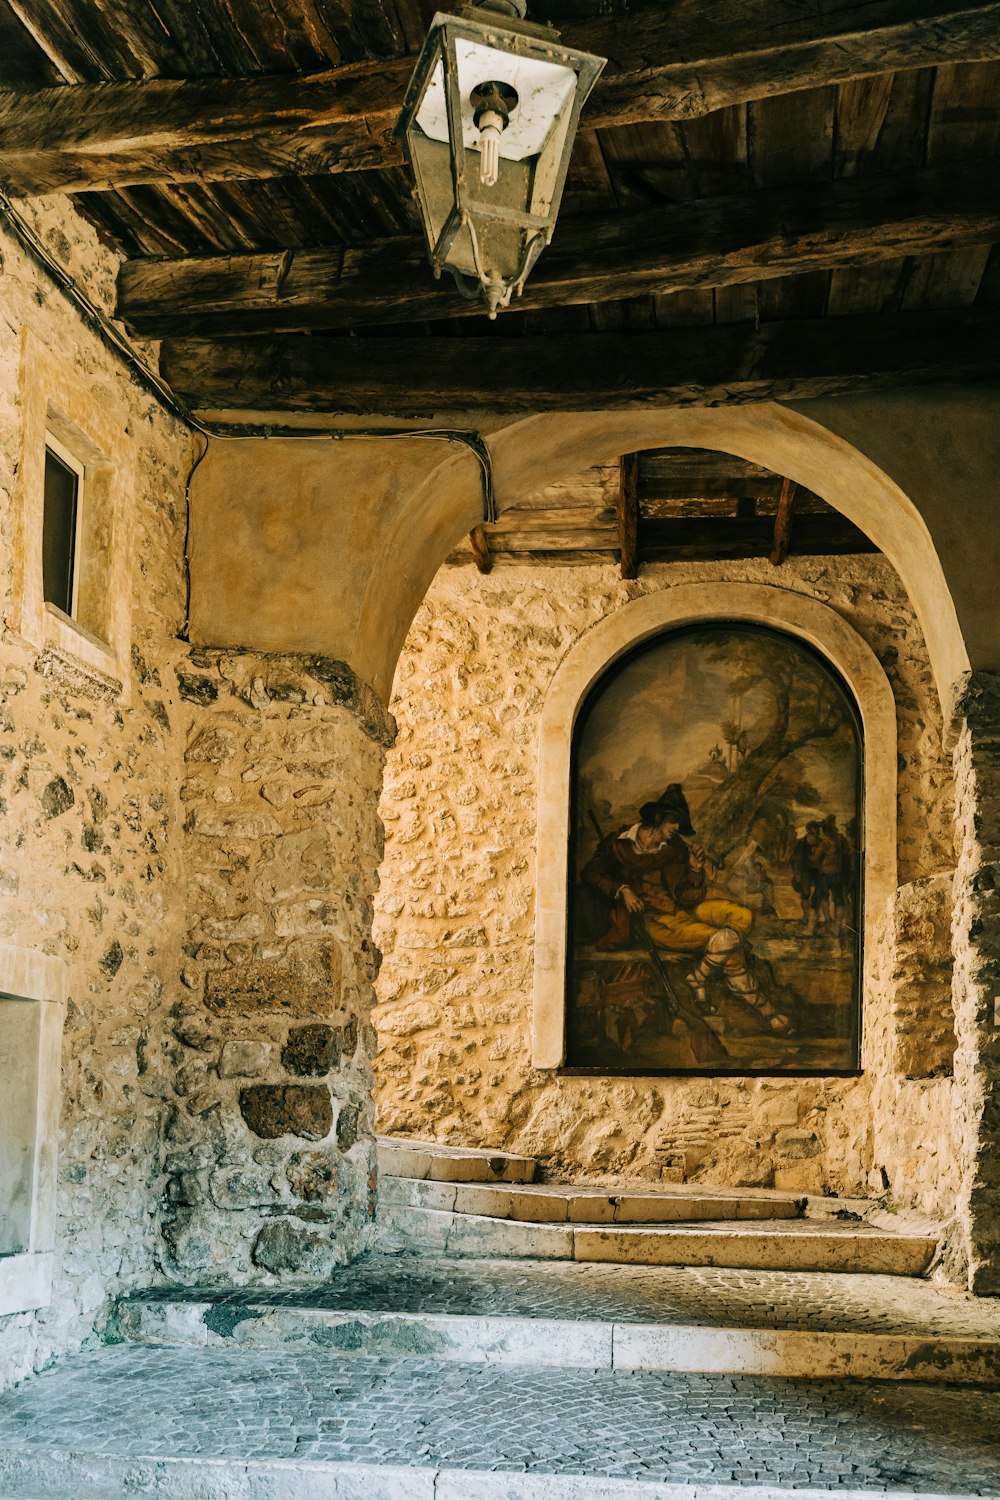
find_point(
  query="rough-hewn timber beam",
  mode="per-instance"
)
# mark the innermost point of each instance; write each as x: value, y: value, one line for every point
x: 675, y: 538
x: 783, y: 522
x: 710, y: 242
x: 480, y: 544
x: 735, y: 363
x: 716, y: 537
x: 628, y: 516
x: 665, y: 63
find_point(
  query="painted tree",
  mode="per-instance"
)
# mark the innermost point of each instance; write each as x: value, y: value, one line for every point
x: 802, y: 705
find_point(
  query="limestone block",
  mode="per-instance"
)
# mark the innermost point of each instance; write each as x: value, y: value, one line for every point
x: 807, y: 1177
x: 245, y: 1059
x: 312, y: 919
x: 301, y: 864
x: 271, y: 1110
x: 285, y: 1246
x: 312, y: 1176
x: 304, y: 986
x: 796, y: 1144
x: 236, y: 1188
x: 189, y: 1242
x: 214, y: 746
x: 310, y: 1051
x: 241, y: 824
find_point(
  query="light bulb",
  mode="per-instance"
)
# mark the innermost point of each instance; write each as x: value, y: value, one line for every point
x: 490, y: 126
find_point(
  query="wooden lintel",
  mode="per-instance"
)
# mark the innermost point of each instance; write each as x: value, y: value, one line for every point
x: 726, y: 365
x: 678, y: 539
x: 729, y: 537
x: 783, y: 522
x: 480, y: 544
x: 707, y: 243
x: 664, y: 63
x: 628, y: 516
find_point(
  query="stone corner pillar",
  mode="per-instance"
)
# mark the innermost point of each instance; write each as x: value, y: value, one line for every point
x: 976, y: 943
x: 270, y: 1159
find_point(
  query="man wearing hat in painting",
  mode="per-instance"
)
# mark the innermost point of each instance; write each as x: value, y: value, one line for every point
x: 648, y: 872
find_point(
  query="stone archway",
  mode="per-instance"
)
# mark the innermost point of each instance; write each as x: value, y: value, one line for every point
x: 792, y: 613
x: 908, y: 467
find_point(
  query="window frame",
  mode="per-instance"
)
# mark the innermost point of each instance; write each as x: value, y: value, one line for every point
x: 78, y: 467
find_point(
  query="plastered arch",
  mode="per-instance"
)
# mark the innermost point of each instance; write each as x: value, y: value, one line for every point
x: 541, y: 449
x: 806, y: 619
x: 331, y: 548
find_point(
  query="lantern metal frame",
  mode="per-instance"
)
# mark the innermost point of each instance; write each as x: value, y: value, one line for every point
x: 493, y: 29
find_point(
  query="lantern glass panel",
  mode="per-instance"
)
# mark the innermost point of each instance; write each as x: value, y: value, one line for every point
x: 492, y: 231
x: 544, y: 89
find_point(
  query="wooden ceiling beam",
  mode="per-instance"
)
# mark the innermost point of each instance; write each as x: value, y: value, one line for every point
x: 719, y: 537
x: 783, y: 522
x: 628, y: 516
x: 732, y: 364
x: 675, y: 63
x: 706, y: 243
x: 480, y: 544
x: 675, y: 539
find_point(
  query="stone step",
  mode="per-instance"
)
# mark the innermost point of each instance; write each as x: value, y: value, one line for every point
x: 435, y: 1162
x: 303, y: 1424
x: 557, y: 1204
x: 594, y: 1316
x: 777, y: 1245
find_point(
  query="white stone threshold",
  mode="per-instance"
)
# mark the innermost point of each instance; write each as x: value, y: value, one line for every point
x: 781, y: 1244
x: 696, y: 1349
x: 54, y: 1474
x: 400, y: 1157
x: 25, y: 1281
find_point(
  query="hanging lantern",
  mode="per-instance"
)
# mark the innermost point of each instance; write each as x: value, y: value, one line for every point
x: 489, y: 121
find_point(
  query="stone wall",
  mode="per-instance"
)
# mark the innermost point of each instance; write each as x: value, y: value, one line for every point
x: 270, y: 1151
x: 455, y: 913
x: 89, y: 832
x: 976, y: 943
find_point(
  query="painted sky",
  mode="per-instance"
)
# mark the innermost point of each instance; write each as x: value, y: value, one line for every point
x: 659, y: 716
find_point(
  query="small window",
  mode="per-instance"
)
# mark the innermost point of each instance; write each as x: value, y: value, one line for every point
x: 61, y: 527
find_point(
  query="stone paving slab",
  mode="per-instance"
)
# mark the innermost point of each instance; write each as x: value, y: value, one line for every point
x: 794, y: 1244
x: 705, y: 1321
x: 130, y: 1416
x: 712, y: 1296
x: 570, y: 1345
x: 440, y: 1163
x: 555, y: 1203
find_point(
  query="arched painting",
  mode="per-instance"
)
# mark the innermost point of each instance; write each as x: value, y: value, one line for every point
x: 716, y: 852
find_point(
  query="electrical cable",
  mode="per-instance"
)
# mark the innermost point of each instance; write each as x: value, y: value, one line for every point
x: 102, y: 325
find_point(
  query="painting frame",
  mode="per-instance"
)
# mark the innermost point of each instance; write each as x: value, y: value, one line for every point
x: 848, y: 1040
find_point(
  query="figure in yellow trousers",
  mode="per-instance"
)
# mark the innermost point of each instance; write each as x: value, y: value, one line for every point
x: 649, y: 869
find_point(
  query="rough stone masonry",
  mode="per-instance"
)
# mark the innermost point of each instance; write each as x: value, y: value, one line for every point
x: 270, y: 1152
x: 456, y: 913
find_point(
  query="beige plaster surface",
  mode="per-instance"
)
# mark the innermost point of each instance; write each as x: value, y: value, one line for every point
x: 324, y: 546
x: 941, y: 446
x: 296, y: 543
x: 806, y: 619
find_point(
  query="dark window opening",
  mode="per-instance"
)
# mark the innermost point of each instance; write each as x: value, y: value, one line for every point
x: 59, y: 527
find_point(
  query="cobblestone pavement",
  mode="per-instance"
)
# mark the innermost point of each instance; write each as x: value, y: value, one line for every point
x: 809, y: 1301
x: 681, y: 1428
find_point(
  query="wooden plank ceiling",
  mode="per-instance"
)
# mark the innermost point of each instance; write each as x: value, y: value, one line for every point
x: 766, y: 199
x: 664, y: 505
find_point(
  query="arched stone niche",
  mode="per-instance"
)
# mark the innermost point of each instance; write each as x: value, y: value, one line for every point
x: 780, y: 609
